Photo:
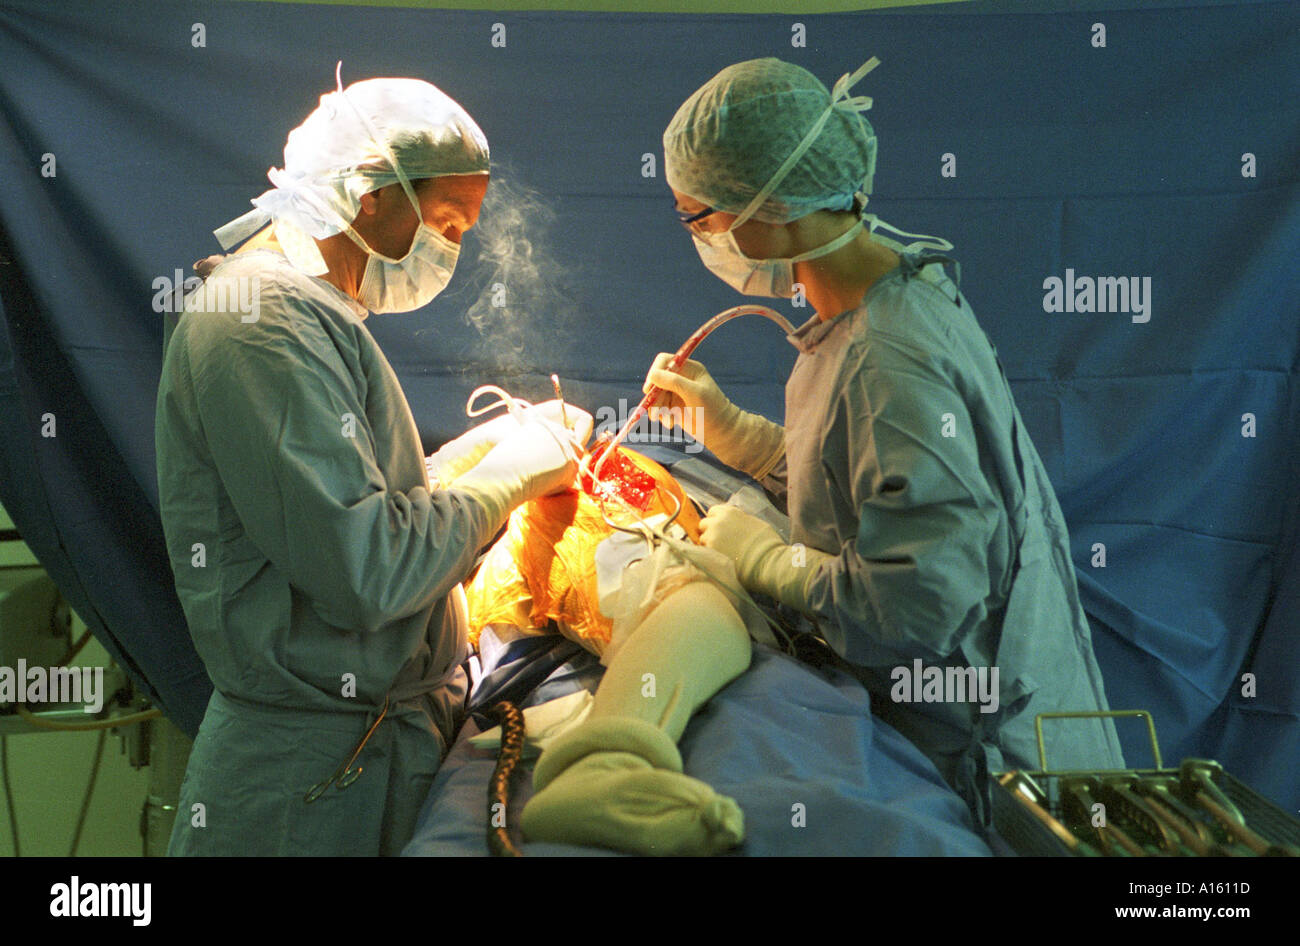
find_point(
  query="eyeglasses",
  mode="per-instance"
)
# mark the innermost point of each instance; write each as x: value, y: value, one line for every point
x: 688, y: 220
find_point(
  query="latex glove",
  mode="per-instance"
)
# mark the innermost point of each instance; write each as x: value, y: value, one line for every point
x: 460, y: 455
x: 536, y: 459
x: 764, y: 562
x: 744, y: 441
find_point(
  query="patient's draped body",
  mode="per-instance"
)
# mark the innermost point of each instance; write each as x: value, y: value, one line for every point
x: 616, y: 779
x: 543, y: 568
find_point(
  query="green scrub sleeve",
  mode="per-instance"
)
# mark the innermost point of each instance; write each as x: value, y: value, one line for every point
x: 915, y: 579
x: 287, y: 429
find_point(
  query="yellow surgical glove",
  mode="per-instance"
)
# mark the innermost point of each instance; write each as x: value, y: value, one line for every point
x: 744, y: 441
x: 765, y: 563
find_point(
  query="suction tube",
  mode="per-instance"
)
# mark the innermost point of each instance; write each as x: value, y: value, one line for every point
x: 680, y: 357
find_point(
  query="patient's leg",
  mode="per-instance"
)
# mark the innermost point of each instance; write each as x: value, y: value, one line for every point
x: 616, y: 780
x: 691, y: 646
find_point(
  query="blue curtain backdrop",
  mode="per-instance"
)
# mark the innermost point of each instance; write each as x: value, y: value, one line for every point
x: 129, y: 131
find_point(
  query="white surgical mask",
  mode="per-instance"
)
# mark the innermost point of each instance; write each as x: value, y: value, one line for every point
x: 775, y: 277
x: 405, y: 284
x: 402, y: 285
x: 759, y: 277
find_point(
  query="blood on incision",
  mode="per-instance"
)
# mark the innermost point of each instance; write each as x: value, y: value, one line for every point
x: 620, y: 478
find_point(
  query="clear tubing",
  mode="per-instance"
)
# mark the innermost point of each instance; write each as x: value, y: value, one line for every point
x: 679, y: 358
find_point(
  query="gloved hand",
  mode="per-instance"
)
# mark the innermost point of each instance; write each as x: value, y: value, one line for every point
x: 460, y: 455
x: 744, y: 441
x: 764, y: 562
x: 536, y: 459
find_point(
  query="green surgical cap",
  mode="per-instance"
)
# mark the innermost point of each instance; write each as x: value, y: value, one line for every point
x: 728, y: 140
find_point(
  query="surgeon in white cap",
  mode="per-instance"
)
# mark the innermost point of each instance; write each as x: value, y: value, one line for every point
x: 317, y: 554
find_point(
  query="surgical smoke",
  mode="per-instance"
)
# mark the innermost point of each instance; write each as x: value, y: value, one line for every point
x: 521, y: 309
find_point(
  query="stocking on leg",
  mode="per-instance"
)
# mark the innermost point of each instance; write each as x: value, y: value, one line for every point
x: 616, y: 779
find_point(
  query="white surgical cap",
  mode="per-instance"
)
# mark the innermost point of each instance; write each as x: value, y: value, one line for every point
x: 745, y: 124
x: 347, y: 148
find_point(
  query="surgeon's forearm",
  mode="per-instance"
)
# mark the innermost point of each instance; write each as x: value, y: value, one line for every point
x: 380, y: 559
x: 786, y: 573
x: 883, y: 613
x: 496, y: 500
x: 749, y: 442
x: 843, y: 608
x: 452, y: 461
x: 776, y: 485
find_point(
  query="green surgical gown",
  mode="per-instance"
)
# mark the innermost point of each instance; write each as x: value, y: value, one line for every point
x: 908, y: 462
x: 318, y: 573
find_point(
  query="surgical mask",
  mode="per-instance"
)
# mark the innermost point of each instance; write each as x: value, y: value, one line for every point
x: 775, y: 277
x: 405, y: 284
x: 759, y: 277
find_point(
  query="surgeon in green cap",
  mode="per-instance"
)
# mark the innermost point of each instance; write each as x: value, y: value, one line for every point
x: 924, y: 526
